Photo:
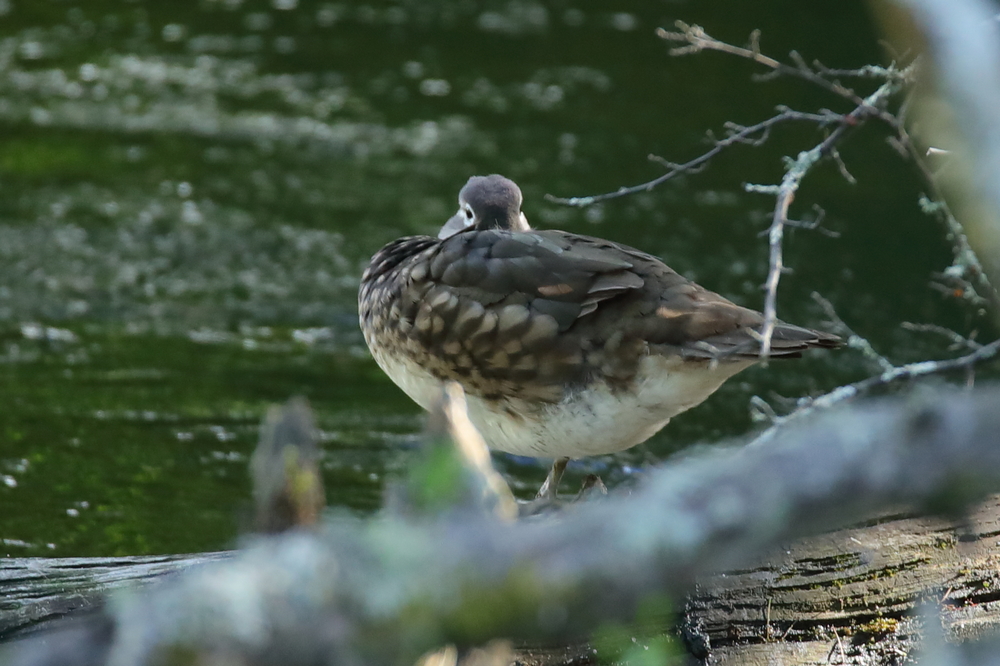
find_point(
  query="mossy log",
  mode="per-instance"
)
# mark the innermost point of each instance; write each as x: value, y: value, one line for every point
x: 850, y: 596
x: 35, y: 591
x: 856, y: 595
x: 409, y: 580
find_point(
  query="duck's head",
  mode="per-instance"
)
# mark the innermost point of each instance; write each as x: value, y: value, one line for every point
x: 487, y: 202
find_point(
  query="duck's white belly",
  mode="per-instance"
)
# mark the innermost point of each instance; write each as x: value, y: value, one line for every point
x: 590, y: 421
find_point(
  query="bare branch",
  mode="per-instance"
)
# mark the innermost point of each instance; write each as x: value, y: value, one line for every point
x: 870, y: 106
x: 895, y: 374
x: 698, y: 40
x: 966, y: 266
x: 866, y: 72
x: 747, y: 135
x: 854, y: 341
x: 835, y: 154
x: 957, y: 341
x: 786, y: 191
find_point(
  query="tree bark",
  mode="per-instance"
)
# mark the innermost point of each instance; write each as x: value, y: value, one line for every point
x: 388, y: 589
x: 35, y: 591
x: 850, y: 596
x: 855, y: 596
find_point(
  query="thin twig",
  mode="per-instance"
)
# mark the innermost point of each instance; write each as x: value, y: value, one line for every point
x: 854, y: 341
x: 698, y: 40
x: 835, y: 154
x: 866, y: 72
x: 471, y: 446
x: 761, y: 410
x: 966, y: 268
x: 865, y: 107
x: 840, y: 646
x: 898, y: 373
x: 965, y: 265
x: 958, y: 341
x: 785, y: 193
x: 738, y: 135
x: 767, y: 621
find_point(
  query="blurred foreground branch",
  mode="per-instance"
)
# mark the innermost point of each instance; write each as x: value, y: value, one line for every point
x: 288, y: 486
x: 964, y: 41
x: 388, y: 589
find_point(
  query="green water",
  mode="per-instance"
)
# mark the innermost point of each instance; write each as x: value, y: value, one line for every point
x: 189, y: 192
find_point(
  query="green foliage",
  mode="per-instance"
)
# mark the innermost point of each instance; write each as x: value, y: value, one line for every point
x: 620, y: 644
x: 643, y: 642
x: 435, y: 481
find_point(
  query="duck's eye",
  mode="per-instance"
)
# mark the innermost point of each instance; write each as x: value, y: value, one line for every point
x: 468, y: 213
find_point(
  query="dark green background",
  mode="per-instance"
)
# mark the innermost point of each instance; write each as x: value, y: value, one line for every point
x: 189, y: 192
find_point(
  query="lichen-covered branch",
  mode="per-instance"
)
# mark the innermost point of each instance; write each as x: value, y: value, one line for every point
x: 785, y: 193
x: 891, y: 375
x: 696, y: 39
x: 865, y: 107
x: 753, y: 135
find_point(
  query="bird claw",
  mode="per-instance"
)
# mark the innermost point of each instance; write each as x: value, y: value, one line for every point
x: 547, y: 499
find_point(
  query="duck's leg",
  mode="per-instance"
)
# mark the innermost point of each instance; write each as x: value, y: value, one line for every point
x: 550, y: 487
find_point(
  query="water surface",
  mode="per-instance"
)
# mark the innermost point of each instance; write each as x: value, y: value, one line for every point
x: 189, y: 192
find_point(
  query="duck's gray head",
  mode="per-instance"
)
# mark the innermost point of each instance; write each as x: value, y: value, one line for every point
x: 487, y: 202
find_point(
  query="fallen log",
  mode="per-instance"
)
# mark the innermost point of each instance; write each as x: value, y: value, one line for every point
x: 35, y: 591
x: 855, y: 595
x: 397, y: 585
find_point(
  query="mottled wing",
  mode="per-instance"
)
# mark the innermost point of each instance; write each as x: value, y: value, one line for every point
x: 543, y: 271
x: 495, y: 309
x: 678, y: 316
x: 530, y: 314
